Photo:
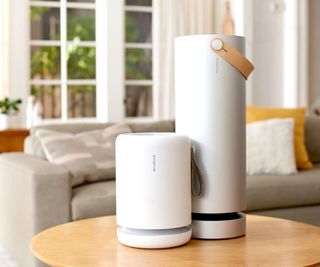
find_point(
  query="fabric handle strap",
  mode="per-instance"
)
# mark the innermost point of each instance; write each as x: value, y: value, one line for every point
x: 233, y: 56
x: 197, y: 179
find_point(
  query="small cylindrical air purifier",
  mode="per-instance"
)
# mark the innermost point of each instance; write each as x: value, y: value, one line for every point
x: 153, y: 189
x: 210, y: 83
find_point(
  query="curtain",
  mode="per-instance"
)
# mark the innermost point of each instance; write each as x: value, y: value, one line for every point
x: 4, y: 47
x: 175, y: 18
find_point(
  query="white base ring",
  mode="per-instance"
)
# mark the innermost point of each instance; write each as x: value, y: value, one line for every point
x: 153, y: 239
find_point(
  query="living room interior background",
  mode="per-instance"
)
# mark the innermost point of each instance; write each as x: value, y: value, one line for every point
x: 285, y: 76
x: 92, y: 69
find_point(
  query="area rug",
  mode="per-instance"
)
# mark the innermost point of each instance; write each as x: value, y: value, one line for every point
x: 6, y: 260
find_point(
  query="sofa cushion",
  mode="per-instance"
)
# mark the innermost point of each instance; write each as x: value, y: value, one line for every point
x: 270, y: 147
x: 298, y: 114
x: 312, y: 132
x: 89, y: 156
x: 72, y: 128
x: 35, y: 147
x: 275, y: 191
x: 156, y: 126
x: 93, y: 200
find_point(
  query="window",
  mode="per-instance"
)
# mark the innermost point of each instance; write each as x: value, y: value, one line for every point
x: 138, y: 58
x: 63, y: 57
x: 83, y: 59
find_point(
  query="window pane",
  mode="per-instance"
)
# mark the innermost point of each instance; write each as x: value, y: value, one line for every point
x: 49, y: 97
x: 81, y: 62
x: 138, y: 101
x: 138, y: 2
x: 45, y: 62
x: 81, y: 101
x: 45, y: 23
x: 138, y: 64
x: 81, y: 24
x: 138, y: 27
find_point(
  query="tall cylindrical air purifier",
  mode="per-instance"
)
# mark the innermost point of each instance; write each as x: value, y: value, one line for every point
x: 210, y: 77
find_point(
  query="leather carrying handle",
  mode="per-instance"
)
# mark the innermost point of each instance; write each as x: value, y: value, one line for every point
x: 233, y: 56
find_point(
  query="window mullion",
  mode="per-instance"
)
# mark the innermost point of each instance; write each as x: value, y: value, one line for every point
x: 139, y: 82
x: 138, y: 45
x: 63, y: 36
x: 146, y: 9
x: 91, y: 6
x: 44, y: 4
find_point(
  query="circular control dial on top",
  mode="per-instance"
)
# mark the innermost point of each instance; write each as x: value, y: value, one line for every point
x: 217, y: 44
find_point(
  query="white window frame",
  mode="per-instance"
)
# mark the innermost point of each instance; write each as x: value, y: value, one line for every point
x: 145, y: 9
x: 109, y: 58
x: 110, y: 46
x: 63, y: 43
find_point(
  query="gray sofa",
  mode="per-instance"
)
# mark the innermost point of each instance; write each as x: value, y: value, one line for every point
x: 295, y: 197
x: 36, y: 194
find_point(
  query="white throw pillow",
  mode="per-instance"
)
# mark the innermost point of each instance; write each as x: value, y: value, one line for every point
x: 270, y: 147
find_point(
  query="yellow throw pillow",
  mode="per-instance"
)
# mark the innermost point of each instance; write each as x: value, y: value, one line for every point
x: 298, y: 114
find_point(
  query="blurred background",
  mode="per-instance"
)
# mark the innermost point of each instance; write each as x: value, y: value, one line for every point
x: 112, y: 60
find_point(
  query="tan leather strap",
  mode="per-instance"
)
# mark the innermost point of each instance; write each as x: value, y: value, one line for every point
x: 233, y: 56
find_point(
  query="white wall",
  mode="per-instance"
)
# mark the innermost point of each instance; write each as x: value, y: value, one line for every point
x: 19, y: 54
x: 267, y: 54
x: 273, y: 29
x: 4, y: 47
x: 14, y: 59
x: 314, y: 51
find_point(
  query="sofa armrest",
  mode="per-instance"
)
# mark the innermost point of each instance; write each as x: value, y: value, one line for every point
x: 34, y: 195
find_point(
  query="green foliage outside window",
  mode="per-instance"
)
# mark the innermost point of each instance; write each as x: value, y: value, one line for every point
x: 138, y: 62
x: 81, y: 27
x: 37, y: 12
x: 46, y: 61
x: 81, y: 62
x: 132, y: 32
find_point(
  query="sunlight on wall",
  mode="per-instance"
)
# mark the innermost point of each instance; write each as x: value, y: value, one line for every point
x: 237, y: 11
x: 290, y: 51
x: 4, y: 48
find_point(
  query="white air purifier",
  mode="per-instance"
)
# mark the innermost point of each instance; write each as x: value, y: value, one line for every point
x: 210, y: 82
x: 153, y: 189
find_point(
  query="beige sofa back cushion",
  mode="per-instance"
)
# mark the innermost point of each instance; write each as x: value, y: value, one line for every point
x: 33, y: 145
x: 89, y: 156
x: 312, y: 137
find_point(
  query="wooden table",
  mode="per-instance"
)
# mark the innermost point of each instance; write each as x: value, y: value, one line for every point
x: 12, y: 139
x: 93, y: 242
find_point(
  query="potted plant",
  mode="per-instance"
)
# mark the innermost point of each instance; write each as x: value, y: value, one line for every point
x: 9, y: 108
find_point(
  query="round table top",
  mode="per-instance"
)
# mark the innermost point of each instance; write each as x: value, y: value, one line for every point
x: 93, y: 242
